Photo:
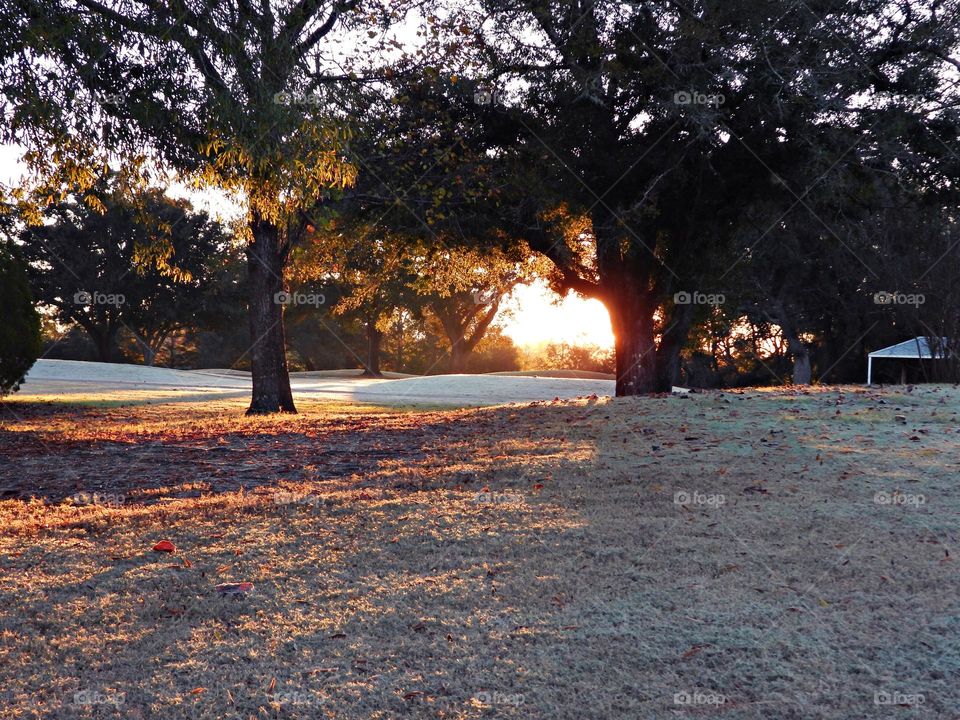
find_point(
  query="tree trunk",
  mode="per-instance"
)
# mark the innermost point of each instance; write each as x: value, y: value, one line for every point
x: 374, y: 343
x: 458, y: 357
x: 635, y: 347
x: 105, y: 349
x: 625, y: 274
x: 105, y: 340
x: 796, y: 349
x: 802, y: 373
x: 266, y: 260
x: 673, y: 339
x: 156, y: 345
x: 456, y: 318
x: 148, y: 349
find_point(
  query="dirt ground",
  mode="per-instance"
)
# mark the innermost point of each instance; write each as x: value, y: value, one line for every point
x: 767, y: 554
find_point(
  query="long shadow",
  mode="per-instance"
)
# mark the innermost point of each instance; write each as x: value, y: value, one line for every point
x: 475, y: 595
x: 150, y: 467
x: 317, y: 560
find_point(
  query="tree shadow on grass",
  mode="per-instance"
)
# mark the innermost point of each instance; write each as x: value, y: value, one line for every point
x: 107, y: 458
x: 451, y: 586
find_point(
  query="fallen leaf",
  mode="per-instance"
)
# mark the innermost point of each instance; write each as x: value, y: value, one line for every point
x: 694, y: 650
x: 164, y: 546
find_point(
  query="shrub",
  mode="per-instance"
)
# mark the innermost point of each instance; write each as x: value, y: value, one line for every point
x: 20, y: 323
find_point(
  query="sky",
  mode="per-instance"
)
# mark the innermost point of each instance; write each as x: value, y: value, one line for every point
x: 532, y: 316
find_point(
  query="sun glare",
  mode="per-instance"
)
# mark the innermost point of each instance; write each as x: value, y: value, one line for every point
x: 533, y: 317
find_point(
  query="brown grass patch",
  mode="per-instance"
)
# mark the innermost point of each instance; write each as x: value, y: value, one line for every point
x: 518, y: 562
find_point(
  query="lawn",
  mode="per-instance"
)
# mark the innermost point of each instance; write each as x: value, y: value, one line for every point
x: 764, y: 554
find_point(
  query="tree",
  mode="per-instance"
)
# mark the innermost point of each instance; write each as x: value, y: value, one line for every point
x: 496, y: 352
x: 564, y: 356
x: 231, y: 94
x: 371, y: 271
x: 660, y: 122
x: 882, y: 229
x: 20, y: 329
x: 100, y: 268
x: 463, y: 289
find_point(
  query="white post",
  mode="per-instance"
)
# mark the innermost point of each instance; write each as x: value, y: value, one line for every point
x: 869, y: 369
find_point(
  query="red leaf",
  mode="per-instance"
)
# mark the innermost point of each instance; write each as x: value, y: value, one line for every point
x: 693, y: 651
x: 235, y: 588
x: 164, y: 546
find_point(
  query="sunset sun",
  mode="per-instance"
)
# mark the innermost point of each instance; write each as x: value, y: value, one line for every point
x: 533, y: 316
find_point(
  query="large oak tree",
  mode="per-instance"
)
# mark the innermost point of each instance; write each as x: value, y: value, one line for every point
x: 660, y: 122
x: 233, y: 94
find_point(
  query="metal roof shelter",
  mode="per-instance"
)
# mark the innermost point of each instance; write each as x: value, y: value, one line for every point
x: 916, y: 349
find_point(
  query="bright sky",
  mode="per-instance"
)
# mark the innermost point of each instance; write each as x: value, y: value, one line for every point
x: 533, y: 317
x: 11, y: 169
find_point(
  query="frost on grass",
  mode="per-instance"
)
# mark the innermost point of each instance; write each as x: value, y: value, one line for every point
x: 761, y: 554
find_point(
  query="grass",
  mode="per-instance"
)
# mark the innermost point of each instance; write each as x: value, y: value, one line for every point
x: 781, y: 553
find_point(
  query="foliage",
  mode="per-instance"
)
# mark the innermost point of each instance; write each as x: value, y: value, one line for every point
x: 496, y: 352
x: 567, y: 356
x: 20, y: 329
x: 234, y: 95
x: 667, y: 127
x: 101, y: 271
